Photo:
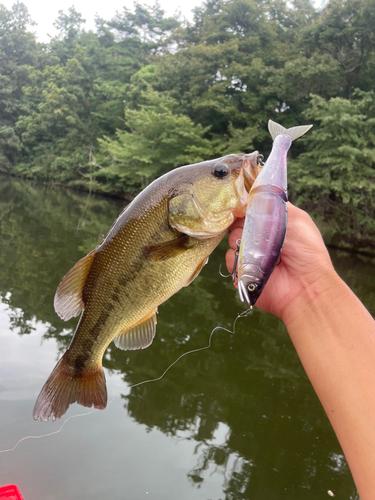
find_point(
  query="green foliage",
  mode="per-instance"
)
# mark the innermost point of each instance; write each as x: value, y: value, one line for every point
x: 140, y: 33
x: 17, y: 53
x: 109, y: 111
x: 69, y: 28
x: 336, y: 177
x: 345, y: 31
x: 238, y: 140
x: 221, y: 67
x: 156, y: 139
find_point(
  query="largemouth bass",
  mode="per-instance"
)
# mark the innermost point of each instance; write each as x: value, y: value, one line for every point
x: 158, y: 244
x: 266, y: 216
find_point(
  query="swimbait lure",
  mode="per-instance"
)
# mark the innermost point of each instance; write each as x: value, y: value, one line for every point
x: 266, y: 216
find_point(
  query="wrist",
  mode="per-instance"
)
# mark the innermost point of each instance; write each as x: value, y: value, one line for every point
x: 317, y: 296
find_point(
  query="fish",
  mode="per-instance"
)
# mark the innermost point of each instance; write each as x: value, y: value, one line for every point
x: 266, y: 216
x: 158, y: 244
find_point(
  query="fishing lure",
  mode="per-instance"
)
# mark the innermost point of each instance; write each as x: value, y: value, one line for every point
x: 266, y: 216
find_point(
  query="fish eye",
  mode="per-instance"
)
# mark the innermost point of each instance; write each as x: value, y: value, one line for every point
x: 252, y: 287
x: 220, y: 171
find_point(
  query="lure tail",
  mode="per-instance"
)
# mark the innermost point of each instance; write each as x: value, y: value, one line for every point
x: 64, y: 387
x: 275, y: 129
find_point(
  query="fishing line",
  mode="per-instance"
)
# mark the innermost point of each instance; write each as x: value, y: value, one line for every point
x: 54, y: 432
x: 233, y: 331
x: 242, y: 315
x: 49, y: 434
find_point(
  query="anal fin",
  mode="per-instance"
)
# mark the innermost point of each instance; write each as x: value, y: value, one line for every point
x: 139, y: 336
x: 68, y: 298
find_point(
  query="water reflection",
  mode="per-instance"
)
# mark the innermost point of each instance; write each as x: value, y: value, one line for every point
x: 244, y: 407
x: 43, y: 233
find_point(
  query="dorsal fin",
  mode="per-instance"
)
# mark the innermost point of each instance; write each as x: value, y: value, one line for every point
x: 68, y: 298
x: 276, y: 129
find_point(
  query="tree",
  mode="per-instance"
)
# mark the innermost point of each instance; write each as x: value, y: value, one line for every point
x: 336, y: 177
x: 221, y: 66
x: 69, y: 28
x: 345, y: 31
x: 78, y: 96
x: 142, y: 32
x: 18, y: 52
x: 156, y: 139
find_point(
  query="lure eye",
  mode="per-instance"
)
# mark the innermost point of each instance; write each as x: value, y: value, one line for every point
x: 220, y: 171
x: 252, y: 287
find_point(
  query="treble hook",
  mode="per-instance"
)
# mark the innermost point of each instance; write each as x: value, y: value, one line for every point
x: 233, y: 274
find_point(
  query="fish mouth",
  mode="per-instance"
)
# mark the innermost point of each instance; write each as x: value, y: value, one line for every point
x: 249, y: 170
x: 248, y: 180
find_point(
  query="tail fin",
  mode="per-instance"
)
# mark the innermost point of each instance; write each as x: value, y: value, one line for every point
x: 64, y: 387
x: 275, y: 129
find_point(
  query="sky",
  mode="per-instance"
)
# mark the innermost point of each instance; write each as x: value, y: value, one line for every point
x: 45, y: 13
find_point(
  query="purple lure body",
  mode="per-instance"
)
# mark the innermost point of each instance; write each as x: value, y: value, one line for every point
x: 265, y: 223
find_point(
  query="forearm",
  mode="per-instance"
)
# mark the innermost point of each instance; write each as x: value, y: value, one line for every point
x: 335, y: 338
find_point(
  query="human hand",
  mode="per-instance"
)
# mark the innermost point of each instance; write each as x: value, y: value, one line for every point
x: 304, y: 260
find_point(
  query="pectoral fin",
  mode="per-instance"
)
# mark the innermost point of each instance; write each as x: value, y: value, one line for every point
x: 139, y: 336
x: 68, y: 300
x: 168, y: 249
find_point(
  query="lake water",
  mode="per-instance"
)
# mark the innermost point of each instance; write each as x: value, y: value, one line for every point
x: 236, y: 421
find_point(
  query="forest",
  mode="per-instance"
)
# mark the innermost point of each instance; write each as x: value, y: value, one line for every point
x: 109, y: 111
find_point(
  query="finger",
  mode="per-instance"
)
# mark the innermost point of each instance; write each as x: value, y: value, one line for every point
x: 238, y: 223
x: 235, y: 235
x: 229, y: 260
